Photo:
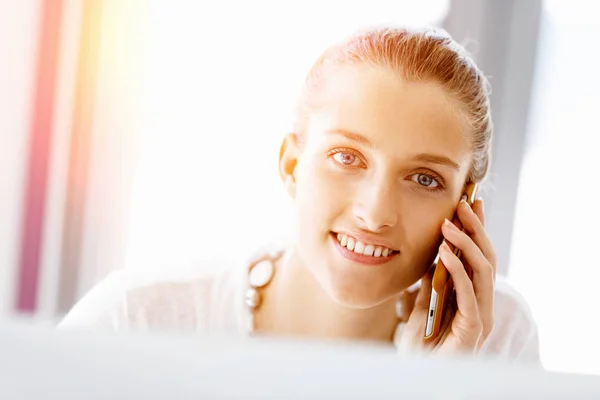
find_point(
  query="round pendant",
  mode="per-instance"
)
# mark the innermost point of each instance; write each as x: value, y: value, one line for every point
x: 261, y: 274
x: 252, y: 298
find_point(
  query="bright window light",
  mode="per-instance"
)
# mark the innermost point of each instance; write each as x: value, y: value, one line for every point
x: 221, y: 82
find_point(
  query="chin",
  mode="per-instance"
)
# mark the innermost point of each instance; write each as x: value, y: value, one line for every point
x: 358, y: 291
x: 357, y: 286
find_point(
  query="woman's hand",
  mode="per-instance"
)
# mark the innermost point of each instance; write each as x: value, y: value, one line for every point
x: 470, y: 317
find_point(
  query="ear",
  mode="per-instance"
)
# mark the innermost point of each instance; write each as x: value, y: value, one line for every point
x: 288, y: 159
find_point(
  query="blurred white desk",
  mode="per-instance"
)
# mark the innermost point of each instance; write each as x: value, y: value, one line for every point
x: 38, y: 362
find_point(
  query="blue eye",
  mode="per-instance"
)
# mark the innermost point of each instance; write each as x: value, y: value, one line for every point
x: 346, y: 158
x: 425, y: 180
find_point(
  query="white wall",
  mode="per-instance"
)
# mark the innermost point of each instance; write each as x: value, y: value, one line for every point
x: 18, y: 49
x: 554, y: 261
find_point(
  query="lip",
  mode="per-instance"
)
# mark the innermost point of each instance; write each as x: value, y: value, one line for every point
x: 360, y: 258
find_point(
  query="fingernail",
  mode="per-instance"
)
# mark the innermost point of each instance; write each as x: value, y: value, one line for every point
x: 446, y: 247
x: 445, y: 252
x: 400, y: 309
x: 449, y: 224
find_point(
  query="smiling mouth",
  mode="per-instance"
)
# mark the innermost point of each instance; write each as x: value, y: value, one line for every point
x: 363, y: 249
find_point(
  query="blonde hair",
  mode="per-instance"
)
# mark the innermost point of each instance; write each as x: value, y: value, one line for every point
x: 427, y: 55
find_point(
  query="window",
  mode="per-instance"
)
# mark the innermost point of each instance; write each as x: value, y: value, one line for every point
x: 553, y: 259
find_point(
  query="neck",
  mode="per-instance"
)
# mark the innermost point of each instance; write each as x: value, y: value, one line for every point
x: 296, y: 305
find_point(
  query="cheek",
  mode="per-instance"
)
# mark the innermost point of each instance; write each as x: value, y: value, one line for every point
x: 422, y: 226
x: 323, y: 195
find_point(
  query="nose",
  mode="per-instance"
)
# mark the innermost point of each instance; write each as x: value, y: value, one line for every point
x: 375, y: 206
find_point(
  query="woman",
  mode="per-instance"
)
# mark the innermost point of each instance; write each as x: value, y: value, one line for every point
x: 391, y: 126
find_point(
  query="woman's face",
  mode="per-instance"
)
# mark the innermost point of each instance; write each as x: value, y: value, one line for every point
x: 381, y: 165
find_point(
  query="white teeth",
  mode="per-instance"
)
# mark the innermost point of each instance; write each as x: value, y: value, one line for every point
x: 378, y: 251
x: 344, y: 240
x: 361, y: 248
x: 350, y: 245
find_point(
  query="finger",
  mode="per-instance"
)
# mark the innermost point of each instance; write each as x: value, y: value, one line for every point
x: 465, y: 293
x: 479, y: 211
x: 474, y: 228
x: 448, y: 318
x: 470, y: 251
x: 415, y: 328
x: 482, y: 272
x: 400, y: 337
x: 406, y: 304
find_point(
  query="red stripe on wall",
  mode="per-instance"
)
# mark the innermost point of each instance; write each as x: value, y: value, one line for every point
x: 39, y: 156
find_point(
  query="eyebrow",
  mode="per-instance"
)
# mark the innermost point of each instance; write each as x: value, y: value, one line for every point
x: 435, y: 159
x: 355, y: 137
x: 423, y: 157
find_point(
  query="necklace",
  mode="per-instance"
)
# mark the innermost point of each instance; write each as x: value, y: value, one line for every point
x: 261, y: 273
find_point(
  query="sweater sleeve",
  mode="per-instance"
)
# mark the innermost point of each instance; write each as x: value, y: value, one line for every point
x: 515, y: 334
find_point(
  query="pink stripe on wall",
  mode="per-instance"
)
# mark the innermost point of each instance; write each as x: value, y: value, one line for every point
x: 39, y: 145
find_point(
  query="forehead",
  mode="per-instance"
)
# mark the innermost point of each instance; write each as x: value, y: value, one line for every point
x: 394, y: 115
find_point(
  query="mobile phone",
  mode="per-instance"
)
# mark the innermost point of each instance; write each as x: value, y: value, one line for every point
x: 442, y: 286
